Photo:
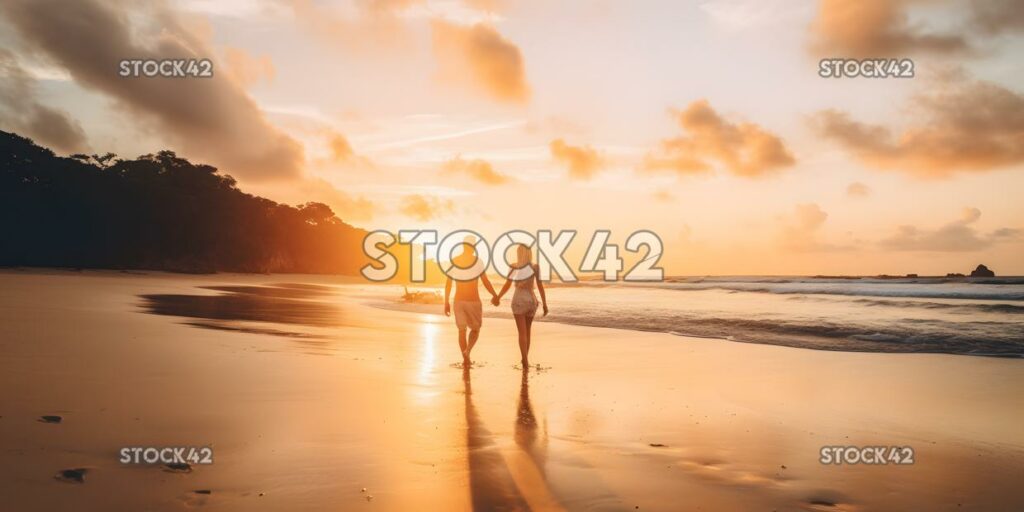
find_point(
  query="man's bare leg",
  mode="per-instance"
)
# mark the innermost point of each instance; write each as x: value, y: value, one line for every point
x: 462, y: 346
x: 474, y: 334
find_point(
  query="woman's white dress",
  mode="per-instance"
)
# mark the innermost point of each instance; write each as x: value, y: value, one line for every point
x: 524, y: 302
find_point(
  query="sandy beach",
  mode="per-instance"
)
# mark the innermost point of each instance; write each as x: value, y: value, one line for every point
x: 313, y: 398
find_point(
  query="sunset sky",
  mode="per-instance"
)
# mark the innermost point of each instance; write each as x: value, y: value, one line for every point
x: 704, y: 121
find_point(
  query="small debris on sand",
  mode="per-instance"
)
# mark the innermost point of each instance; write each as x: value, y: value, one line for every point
x: 657, y: 445
x: 203, y: 491
x: 422, y: 297
x: 178, y: 467
x: 821, y: 503
x: 76, y: 475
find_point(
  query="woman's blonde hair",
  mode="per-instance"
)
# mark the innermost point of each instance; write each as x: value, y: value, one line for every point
x: 524, y: 256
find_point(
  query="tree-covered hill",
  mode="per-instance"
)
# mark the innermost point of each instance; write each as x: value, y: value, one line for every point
x: 158, y: 212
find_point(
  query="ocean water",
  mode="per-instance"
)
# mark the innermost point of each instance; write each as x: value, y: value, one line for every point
x: 942, y: 315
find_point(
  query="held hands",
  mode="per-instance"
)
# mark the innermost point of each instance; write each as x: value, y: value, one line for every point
x: 495, y: 300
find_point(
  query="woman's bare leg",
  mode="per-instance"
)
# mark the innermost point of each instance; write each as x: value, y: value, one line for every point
x: 529, y: 332
x: 524, y: 340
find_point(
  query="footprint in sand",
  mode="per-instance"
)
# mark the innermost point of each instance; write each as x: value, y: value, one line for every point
x: 535, y: 367
x: 50, y: 419
x: 462, y: 366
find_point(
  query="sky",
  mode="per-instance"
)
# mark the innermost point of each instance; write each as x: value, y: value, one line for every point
x: 703, y: 121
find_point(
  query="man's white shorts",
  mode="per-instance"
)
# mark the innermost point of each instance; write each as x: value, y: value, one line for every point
x: 469, y: 314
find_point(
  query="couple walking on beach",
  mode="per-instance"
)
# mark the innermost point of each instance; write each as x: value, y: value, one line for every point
x: 469, y: 310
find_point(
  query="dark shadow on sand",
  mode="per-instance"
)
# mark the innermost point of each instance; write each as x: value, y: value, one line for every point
x: 490, y: 483
x: 526, y: 426
x: 256, y: 330
x: 282, y: 291
x: 491, y: 478
x: 290, y: 304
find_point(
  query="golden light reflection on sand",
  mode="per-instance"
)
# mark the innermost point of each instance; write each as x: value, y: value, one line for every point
x: 426, y: 374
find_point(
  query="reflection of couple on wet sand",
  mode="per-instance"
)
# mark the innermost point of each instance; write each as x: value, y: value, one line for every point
x: 515, y: 480
x: 469, y: 310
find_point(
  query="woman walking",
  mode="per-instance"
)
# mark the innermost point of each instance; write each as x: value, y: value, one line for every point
x: 524, y: 303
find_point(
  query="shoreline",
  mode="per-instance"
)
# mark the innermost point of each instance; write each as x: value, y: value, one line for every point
x: 431, y: 310
x: 394, y: 302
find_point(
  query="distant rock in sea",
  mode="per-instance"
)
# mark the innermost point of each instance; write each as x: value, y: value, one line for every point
x: 982, y: 271
x: 955, y: 274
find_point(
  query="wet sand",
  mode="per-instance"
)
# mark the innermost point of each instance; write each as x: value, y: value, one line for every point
x: 308, y: 395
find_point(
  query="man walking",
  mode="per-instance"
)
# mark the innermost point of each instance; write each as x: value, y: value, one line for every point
x: 469, y: 310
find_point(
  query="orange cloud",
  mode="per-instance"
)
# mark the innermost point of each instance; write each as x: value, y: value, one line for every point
x: 957, y: 236
x: 21, y: 111
x: 810, y: 216
x: 745, y: 149
x: 486, y: 5
x: 479, y: 56
x: 479, y: 170
x: 858, y: 189
x: 971, y: 127
x: 341, y: 154
x: 425, y: 208
x: 212, y: 119
x: 883, y: 28
x: 246, y: 69
x: 664, y: 196
x: 801, y: 231
x: 390, y: 6
x: 875, y: 28
x: 341, y: 150
x: 367, y: 25
x: 997, y: 16
x: 583, y: 161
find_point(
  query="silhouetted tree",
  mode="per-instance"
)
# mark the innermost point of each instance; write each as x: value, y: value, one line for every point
x: 159, y: 211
